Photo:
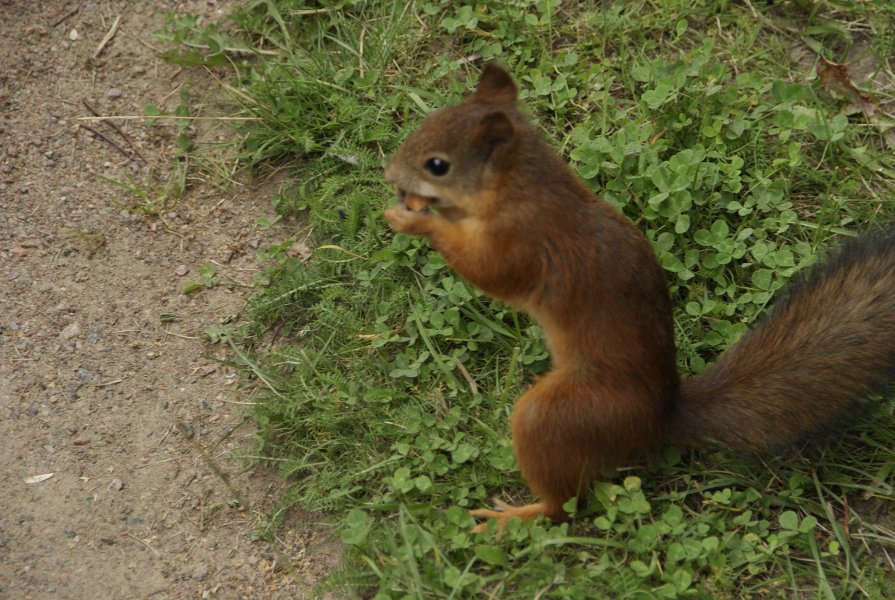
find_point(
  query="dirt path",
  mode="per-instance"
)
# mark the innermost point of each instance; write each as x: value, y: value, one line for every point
x: 106, y: 380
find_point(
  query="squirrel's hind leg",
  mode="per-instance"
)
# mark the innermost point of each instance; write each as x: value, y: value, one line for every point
x: 568, y: 430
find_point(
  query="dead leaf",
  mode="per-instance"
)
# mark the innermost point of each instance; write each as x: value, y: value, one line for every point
x: 834, y: 77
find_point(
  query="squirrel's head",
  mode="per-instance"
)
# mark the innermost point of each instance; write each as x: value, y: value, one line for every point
x: 456, y: 158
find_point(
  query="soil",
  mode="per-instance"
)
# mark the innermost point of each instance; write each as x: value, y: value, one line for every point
x: 119, y: 421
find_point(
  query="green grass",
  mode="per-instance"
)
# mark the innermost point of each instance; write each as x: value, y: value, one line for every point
x: 387, y: 393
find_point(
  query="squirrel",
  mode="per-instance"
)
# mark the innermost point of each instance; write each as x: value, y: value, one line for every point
x: 510, y: 217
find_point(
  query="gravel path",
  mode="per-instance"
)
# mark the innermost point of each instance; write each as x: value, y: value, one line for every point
x: 112, y: 404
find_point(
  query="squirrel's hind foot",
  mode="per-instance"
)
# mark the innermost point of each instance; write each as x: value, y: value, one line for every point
x: 503, y: 512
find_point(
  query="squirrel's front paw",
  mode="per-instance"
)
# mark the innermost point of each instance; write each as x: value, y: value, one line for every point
x: 404, y: 220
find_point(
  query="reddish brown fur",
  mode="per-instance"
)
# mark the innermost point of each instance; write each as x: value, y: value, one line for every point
x: 516, y: 222
x: 829, y: 341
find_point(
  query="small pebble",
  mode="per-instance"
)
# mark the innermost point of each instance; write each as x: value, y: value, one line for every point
x: 116, y: 485
x: 200, y: 572
x: 113, y: 93
x: 70, y: 331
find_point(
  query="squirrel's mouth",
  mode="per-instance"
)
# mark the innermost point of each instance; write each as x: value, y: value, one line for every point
x: 423, y: 204
x: 418, y: 202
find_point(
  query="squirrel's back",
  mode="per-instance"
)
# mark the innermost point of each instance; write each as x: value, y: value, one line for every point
x: 828, y: 341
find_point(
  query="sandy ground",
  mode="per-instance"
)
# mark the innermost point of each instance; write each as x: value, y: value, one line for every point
x: 106, y: 379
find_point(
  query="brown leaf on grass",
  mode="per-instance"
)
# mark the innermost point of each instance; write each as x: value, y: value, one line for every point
x: 834, y: 77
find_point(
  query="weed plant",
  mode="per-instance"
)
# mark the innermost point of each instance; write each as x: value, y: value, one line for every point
x: 388, y: 390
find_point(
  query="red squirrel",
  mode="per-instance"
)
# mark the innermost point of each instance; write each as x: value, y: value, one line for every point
x: 511, y: 217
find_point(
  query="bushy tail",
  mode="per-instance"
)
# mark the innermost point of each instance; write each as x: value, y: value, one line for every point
x: 828, y: 341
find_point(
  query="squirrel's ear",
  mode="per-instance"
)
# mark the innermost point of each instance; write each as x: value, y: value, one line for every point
x: 495, y: 128
x: 495, y: 85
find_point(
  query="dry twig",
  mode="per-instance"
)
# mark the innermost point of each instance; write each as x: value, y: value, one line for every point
x: 107, y: 140
x: 109, y: 35
x: 70, y: 13
x: 120, y: 131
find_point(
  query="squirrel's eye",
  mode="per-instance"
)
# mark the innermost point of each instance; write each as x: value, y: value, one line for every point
x: 437, y: 166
